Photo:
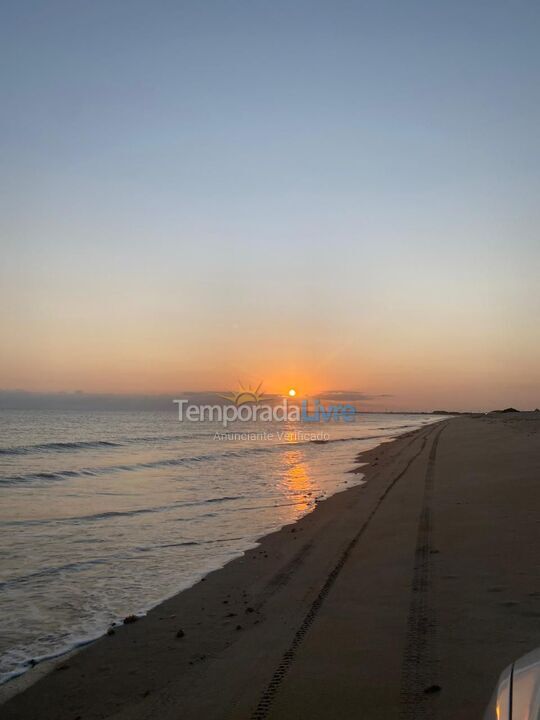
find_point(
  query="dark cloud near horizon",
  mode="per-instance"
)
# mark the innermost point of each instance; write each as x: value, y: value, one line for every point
x: 81, y: 401
x: 352, y: 395
x: 27, y: 400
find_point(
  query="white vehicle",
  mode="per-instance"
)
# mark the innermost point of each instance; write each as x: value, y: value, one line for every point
x: 517, y: 695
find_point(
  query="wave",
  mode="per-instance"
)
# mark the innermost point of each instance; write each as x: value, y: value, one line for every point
x: 167, y: 462
x: 121, y: 513
x: 72, y: 446
x: 58, y: 446
x: 107, y: 469
x: 81, y: 566
x: 347, y: 439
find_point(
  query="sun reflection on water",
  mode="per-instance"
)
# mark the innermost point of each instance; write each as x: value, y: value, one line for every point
x: 297, y: 483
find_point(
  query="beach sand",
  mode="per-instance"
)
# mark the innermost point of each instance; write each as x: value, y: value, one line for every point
x: 401, y: 598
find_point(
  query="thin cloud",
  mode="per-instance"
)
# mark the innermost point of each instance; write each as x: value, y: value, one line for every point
x: 352, y: 395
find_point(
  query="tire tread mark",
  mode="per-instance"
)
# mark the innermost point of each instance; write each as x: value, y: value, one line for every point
x: 264, y: 704
x: 419, y: 662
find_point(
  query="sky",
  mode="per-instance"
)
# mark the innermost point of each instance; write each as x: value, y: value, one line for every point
x: 332, y: 196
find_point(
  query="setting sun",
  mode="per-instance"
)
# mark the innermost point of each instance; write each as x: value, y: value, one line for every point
x: 292, y: 392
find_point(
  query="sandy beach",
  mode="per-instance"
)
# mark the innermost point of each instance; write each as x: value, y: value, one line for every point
x: 401, y: 598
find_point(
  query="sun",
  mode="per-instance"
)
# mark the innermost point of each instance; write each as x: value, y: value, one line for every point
x: 292, y: 392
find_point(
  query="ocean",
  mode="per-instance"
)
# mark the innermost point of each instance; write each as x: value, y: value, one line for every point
x: 105, y: 514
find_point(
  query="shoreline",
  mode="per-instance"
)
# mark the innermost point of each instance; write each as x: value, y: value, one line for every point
x: 43, y: 666
x: 357, y: 609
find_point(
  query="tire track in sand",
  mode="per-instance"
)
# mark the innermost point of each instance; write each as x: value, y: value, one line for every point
x: 419, y: 692
x: 264, y: 705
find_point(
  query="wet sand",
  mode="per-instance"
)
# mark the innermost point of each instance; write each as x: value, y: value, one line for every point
x: 401, y: 598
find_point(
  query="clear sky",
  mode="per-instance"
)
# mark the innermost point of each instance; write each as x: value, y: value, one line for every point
x: 330, y: 195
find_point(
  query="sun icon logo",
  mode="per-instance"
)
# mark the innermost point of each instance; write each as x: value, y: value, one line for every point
x: 245, y: 395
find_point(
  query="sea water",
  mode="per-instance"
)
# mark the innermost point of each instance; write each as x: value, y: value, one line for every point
x: 104, y: 514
